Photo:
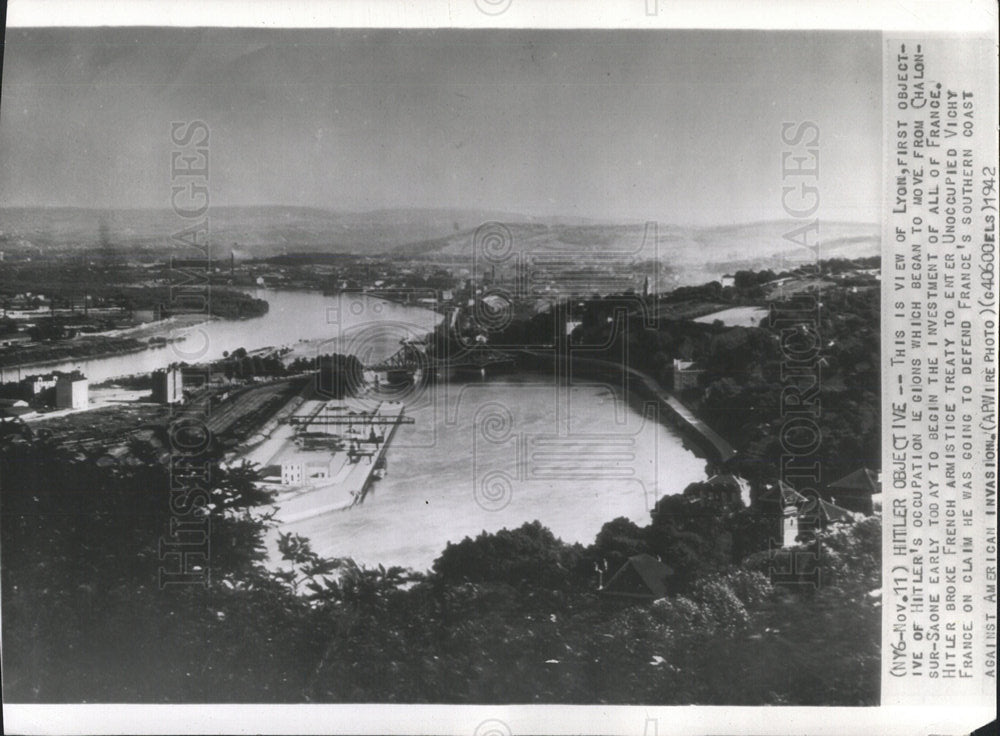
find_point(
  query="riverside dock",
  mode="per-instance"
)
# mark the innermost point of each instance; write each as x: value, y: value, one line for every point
x: 328, y: 456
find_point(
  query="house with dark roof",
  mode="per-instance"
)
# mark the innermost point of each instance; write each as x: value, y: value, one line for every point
x: 642, y: 578
x: 789, y: 496
x: 855, y: 490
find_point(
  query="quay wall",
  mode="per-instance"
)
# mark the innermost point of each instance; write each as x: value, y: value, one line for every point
x: 715, y: 448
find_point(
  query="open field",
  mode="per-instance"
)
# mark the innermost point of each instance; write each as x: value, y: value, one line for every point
x: 736, y: 317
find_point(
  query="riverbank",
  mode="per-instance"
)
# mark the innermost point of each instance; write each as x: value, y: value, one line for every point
x: 35, y: 358
x: 158, y: 328
x: 306, y: 322
x: 713, y: 446
x: 109, y: 344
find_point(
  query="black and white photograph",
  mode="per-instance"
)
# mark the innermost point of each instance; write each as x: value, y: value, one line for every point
x: 495, y: 366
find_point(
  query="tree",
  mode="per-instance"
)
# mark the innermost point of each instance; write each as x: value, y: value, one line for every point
x: 689, y: 536
x: 529, y: 558
x: 744, y: 280
x: 752, y: 531
x: 618, y: 540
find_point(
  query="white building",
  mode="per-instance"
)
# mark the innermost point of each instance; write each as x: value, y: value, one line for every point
x: 72, y: 392
x: 306, y: 468
x: 802, y: 517
x: 291, y: 473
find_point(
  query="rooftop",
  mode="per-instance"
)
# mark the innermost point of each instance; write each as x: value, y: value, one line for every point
x: 642, y: 576
x: 861, y: 479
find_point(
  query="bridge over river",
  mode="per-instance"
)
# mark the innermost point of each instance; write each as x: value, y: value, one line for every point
x: 413, y: 356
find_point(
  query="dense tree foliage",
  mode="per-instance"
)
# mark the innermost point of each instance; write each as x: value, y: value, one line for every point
x: 507, y: 617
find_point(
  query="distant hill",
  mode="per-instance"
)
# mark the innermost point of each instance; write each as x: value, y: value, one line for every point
x: 252, y: 231
x: 692, y: 254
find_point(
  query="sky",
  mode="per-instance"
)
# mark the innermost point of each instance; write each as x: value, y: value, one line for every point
x: 677, y: 126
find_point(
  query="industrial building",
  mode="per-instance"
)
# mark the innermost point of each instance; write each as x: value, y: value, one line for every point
x: 34, y: 386
x: 72, y: 391
x: 168, y: 386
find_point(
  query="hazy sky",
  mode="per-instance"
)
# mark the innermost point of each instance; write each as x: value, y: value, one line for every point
x: 677, y: 126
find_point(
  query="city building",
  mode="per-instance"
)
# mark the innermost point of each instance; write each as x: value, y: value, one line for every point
x: 803, y: 517
x: 791, y: 502
x: 291, y: 473
x: 306, y: 468
x: 686, y: 374
x: 168, y: 386
x: 34, y: 386
x: 72, y: 391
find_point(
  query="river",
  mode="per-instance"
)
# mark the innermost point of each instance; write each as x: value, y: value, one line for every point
x: 483, y: 454
x: 306, y: 321
x: 502, y: 451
